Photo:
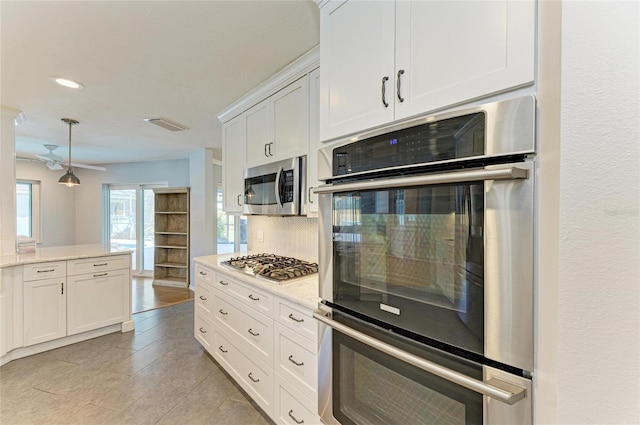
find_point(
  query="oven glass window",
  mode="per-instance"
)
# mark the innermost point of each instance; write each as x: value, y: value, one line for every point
x: 414, y: 258
x: 373, y: 388
x: 260, y: 190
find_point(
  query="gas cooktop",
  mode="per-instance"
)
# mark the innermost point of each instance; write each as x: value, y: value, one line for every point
x: 273, y: 267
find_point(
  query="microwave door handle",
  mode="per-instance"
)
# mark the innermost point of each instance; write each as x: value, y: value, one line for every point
x: 278, y: 177
x: 509, y: 173
x: 494, y: 388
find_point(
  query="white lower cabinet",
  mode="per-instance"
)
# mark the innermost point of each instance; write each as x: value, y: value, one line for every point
x: 45, y: 310
x: 98, y: 299
x: 266, y: 343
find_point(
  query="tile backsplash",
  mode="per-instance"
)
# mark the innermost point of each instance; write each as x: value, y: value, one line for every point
x: 289, y: 236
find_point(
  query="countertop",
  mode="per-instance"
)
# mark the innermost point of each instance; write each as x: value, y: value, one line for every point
x: 302, y: 291
x: 61, y: 253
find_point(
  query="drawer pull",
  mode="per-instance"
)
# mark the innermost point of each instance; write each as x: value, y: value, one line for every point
x: 222, y: 349
x: 295, y: 362
x: 252, y: 378
x: 202, y: 331
x: 292, y: 317
x: 252, y: 333
x: 222, y: 282
x: 100, y: 274
x: 203, y: 298
x: 301, y: 421
x: 251, y: 297
x: 100, y: 265
x: 224, y: 313
x: 202, y: 273
x: 46, y: 271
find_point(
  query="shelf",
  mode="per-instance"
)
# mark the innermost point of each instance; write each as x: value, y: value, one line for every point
x: 171, y: 231
x: 172, y: 265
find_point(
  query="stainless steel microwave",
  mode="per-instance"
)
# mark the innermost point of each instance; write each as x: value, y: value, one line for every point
x: 277, y: 188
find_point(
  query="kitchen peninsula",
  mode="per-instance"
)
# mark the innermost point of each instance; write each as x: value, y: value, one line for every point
x: 62, y: 295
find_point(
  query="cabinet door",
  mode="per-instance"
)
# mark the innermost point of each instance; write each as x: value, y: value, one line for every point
x: 454, y: 51
x: 45, y: 310
x: 233, y: 136
x: 356, y: 53
x: 96, y: 300
x: 291, y: 120
x: 259, y: 132
x: 314, y: 142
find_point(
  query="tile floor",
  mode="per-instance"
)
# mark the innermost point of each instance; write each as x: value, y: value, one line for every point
x: 157, y: 374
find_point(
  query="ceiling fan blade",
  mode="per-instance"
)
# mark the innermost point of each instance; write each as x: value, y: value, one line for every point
x: 44, y: 158
x: 89, y: 167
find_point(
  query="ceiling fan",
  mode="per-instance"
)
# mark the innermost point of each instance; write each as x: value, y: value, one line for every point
x: 55, y: 162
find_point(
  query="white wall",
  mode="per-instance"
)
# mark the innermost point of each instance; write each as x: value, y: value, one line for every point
x: 57, y: 204
x: 7, y: 182
x: 598, y: 371
x: 89, y: 194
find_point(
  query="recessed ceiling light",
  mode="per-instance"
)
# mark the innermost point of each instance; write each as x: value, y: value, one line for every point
x: 67, y: 83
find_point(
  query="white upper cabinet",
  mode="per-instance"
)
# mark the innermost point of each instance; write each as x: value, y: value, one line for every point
x: 417, y: 57
x: 356, y: 55
x: 233, y: 152
x: 278, y: 127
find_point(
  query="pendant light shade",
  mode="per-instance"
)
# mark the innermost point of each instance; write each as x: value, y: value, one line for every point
x: 69, y: 178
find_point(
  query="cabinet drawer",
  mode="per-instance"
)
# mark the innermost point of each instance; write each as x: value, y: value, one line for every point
x: 258, y: 299
x: 296, y: 360
x: 203, y: 330
x: 54, y: 269
x: 98, y: 264
x: 297, y: 318
x: 250, y: 327
x: 205, y: 274
x: 256, y: 380
x: 292, y: 410
x: 204, y: 297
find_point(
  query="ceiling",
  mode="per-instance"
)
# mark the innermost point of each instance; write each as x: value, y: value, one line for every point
x: 181, y: 60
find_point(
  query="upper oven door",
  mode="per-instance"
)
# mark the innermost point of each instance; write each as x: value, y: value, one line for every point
x: 446, y: 256
x: 275, y: 188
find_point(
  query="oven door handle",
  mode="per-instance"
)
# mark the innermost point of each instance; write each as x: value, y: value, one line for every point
x: 494, y: 388
x: 510, y: 173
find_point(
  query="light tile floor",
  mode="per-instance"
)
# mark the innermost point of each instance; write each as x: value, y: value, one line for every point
x: 157, y: 374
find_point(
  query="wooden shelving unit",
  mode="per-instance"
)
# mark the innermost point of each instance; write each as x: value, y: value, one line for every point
x: 171, y: 266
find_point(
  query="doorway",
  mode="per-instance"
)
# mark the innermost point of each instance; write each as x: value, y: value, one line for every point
x: 131, y: 223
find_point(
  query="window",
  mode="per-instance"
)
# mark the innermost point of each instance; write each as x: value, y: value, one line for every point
x: 230, y: 229
x: 28, y: 208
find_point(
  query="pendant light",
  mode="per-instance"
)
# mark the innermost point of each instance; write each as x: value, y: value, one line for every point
x: 69, y: 178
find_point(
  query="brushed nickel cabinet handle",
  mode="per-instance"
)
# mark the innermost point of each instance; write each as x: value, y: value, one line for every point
x: 202, y: 331
x: 253, y: 333
x: 224, y: 313
x: 222, y: 282
x: 384, y: 91
x: 252, y: 298
x: 203, y: 298
x: 252, y: 378
x: 292, y: 317
x: 238, y: 200
x: 295, y: 362
x: 301, y: 421
x: 222, y: 349
x: 46, y: 271
x: 100, y: 274
x: 400, y: 98
x: 100, y: 265
x: 309, y: 195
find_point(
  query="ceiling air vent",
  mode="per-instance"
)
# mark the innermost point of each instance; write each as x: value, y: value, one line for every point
x: 166, y: 124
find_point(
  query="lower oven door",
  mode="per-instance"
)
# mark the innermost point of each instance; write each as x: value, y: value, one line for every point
x: 369, y: 376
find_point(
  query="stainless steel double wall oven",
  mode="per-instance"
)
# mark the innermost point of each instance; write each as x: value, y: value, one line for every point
x: 426, y: 270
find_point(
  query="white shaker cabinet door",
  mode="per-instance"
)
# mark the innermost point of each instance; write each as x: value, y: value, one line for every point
x: 97, y: 300
x: 233, y: 151
x: 45, y: 310
x: 356, y: 54
x: 291, y: 120
x: 449, y: 52
x: 259, y: 132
